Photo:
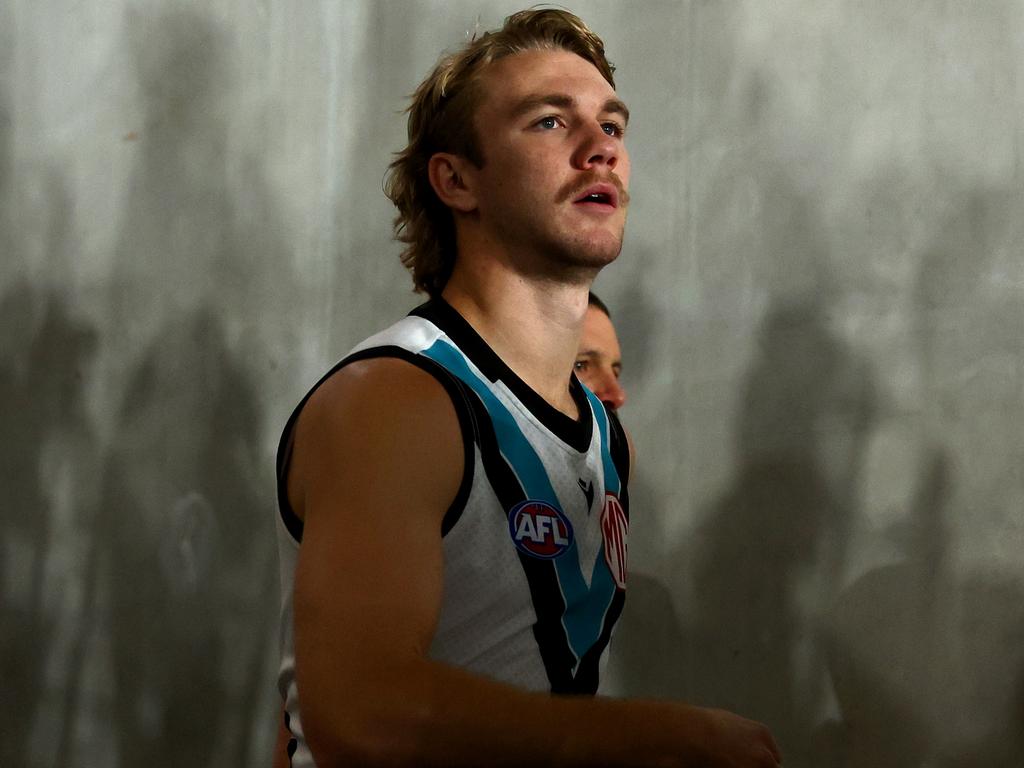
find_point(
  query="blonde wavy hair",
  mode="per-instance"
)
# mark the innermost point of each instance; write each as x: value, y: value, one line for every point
x: 441, y: 120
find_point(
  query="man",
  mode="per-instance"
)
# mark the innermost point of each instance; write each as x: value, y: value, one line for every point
x: 598, y: 367
x: 599, y: 359
x: 453, y: 503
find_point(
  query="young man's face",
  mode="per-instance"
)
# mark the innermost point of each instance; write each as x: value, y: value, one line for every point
x: 552, y: 190
x: 599, y: 360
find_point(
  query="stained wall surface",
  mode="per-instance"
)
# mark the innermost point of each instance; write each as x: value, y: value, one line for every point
x: 820, y: 298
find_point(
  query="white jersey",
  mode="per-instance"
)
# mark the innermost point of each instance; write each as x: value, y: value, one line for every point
x: 535, y: 542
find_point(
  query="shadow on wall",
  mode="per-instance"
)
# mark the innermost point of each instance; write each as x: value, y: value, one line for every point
x: 768, y: 554
x: 46, y: 434
x: 182, y: 577
x: 184, y: 561
x: 929, y: 664
x: 928, y: 668
x: 752, y: 643
x: 809, y: 405
x: 884, y: 643
x: 993, y: 621
x: 47, y: 458
x: 972, y: 318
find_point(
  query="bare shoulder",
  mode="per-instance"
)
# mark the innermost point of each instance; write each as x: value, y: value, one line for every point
x: 377, y: 461
x: 388, y: 384
x: 371, y: 424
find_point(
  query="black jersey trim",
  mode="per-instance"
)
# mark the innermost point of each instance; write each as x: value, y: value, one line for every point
x: 619, y: 449
x: 456, y: 392
x: 574, y: 432
x: 293, y: 744
x: 541, y: 576
x: 588, y: 674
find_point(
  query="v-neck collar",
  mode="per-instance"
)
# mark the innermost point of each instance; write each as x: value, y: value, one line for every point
x: 575, y: 433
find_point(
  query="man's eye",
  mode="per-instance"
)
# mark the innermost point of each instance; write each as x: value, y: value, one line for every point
x: 613, y: 129
x: 580, y: 365
x: 547, y: 123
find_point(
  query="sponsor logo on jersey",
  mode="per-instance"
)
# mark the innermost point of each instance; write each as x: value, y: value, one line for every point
x: 539, y: 529
x: 588, y: 492
x: 614, y: 528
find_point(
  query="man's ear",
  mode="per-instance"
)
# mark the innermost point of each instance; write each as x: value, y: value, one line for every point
x: 450, y: 176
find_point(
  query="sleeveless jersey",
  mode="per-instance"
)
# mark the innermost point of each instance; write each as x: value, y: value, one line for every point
x: 534, y: 544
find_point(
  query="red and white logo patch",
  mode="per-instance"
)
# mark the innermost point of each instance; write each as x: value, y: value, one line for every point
x: 614, y: 529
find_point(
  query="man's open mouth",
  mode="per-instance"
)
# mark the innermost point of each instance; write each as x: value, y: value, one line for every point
x: 600, y: 194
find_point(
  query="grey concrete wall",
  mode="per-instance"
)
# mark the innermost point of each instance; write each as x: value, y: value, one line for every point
x: 821, y: 300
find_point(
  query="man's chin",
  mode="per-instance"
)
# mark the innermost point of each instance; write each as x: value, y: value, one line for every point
x: 598, y: 251
x: 581, y: 266
x: 583, y: 254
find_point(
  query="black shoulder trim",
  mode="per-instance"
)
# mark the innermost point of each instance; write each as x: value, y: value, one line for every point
x: 457, y: 394
x: 575, y: 433
x: 619, y: 449
x: 619, y: 446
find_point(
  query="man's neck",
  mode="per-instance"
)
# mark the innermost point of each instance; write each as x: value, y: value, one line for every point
x: 533, y: 326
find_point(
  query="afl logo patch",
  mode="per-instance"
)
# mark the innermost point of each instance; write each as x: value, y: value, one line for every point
x: 539, y: 529
x: 614, y: 528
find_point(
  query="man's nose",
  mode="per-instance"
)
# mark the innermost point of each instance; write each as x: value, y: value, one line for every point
x: 610, y: 391
x: 598, y: 149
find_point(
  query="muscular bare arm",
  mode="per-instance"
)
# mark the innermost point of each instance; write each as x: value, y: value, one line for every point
x: 378, y: 459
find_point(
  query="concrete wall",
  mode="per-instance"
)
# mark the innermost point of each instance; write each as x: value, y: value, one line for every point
x: 821, y: 301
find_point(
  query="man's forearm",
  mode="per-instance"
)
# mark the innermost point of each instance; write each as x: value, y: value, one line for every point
x: 436, y: 715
